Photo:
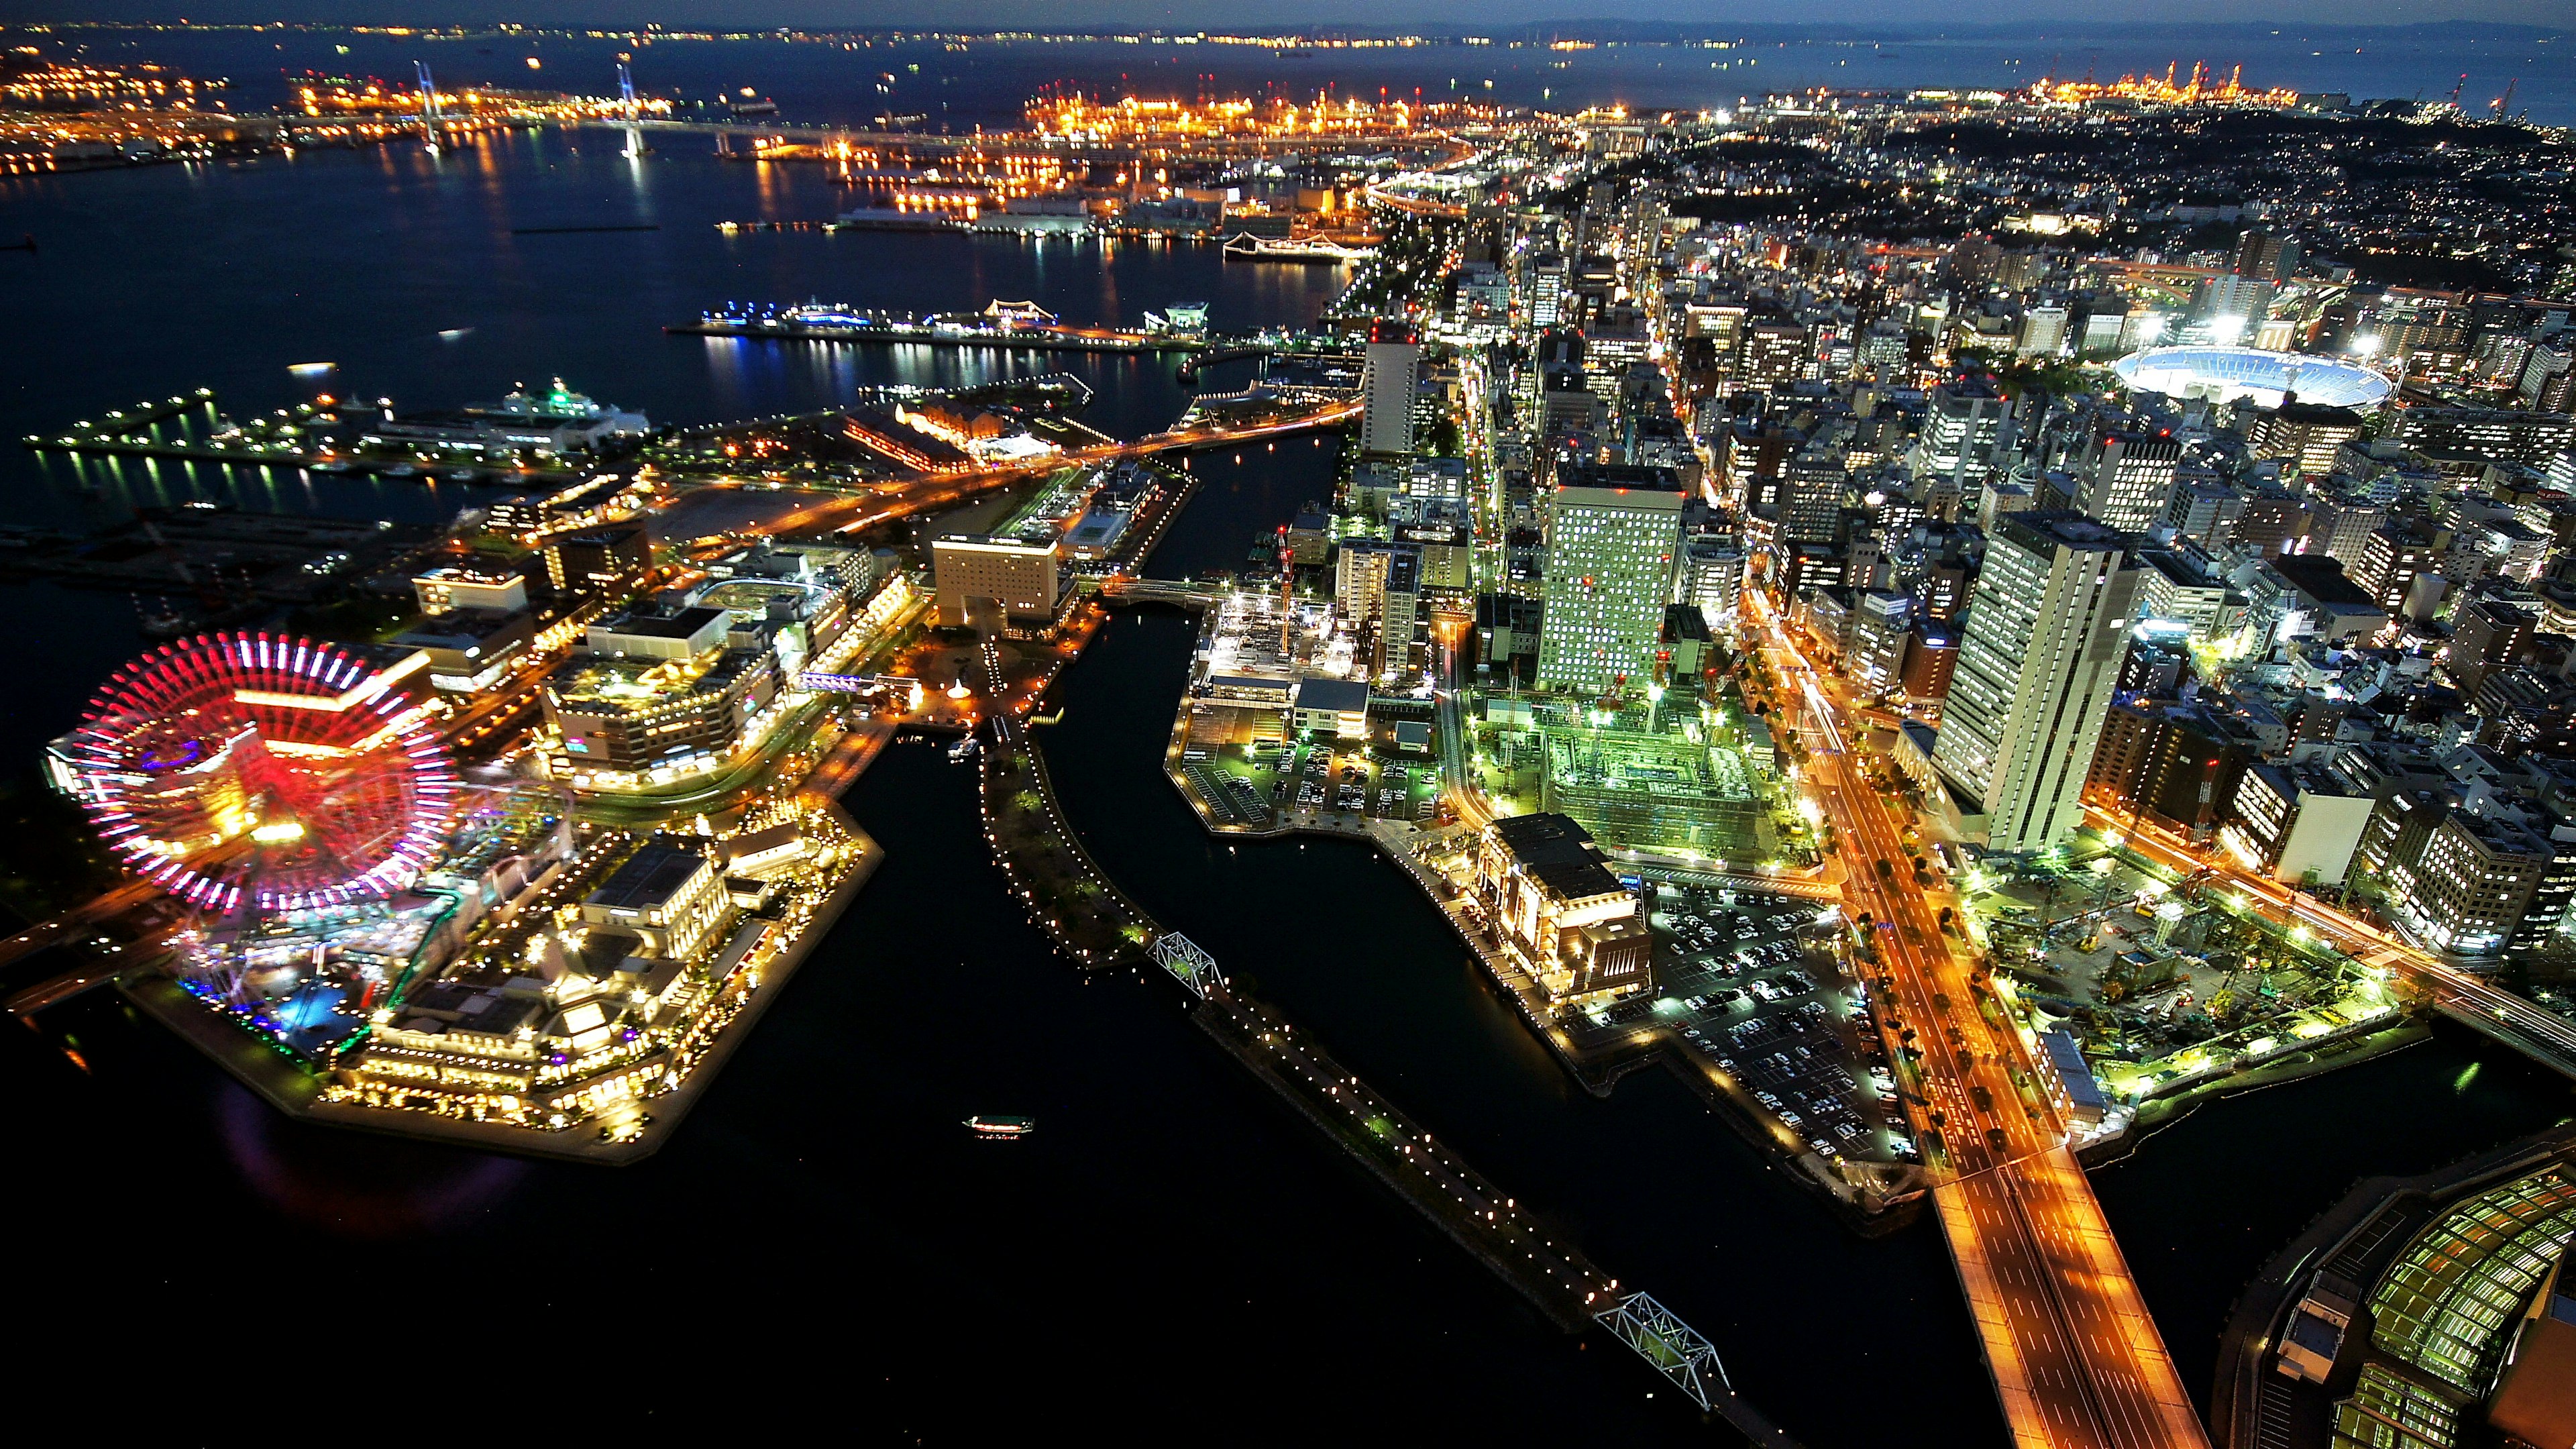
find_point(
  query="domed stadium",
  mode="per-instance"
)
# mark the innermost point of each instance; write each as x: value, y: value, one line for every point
x: 2229, y: 373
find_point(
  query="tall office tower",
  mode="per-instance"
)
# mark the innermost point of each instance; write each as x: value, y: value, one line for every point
x: 2391, y: 559
x: 1543, y: 284
x: 2232, y: 307
x: 2125, y: 479
x: 1771, y: 355
x: 1712, y: 576
x: 2261, y: 254
x: 1613, y: 550
x: 1811, y: 498
x: 1957, y: 445
x: 2046, y: 624
x: 1386, y: 388
x: 2340, y: 528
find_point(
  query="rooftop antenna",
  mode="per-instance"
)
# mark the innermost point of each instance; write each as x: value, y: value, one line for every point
x: 428, y: 106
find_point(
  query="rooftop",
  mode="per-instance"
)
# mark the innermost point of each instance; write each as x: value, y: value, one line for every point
x: 649, y: 878
x: 1558, y: 852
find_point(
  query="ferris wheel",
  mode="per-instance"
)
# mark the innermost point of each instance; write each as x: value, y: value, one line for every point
x: 277, y: 772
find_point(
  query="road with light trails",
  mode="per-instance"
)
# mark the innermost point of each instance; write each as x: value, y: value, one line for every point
x: 852, y: 512
x: 2461, y: 992
x: 2077, y: 1361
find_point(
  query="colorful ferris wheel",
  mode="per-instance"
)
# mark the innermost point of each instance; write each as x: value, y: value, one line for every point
x: 251, y: 769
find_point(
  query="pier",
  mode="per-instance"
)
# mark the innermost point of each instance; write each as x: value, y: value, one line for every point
x: 1030, y: 339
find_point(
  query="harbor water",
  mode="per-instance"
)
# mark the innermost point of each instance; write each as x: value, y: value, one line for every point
x: 1170, y: 1250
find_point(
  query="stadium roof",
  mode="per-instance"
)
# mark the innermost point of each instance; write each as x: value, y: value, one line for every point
x: 2229, y: 373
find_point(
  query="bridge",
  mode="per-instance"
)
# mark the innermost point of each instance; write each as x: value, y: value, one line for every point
x: 2076, y: 1360
x: 810, y: 133
x: 2543, y: 1036
x: 1160, y: 591
x: 1457, y: 1198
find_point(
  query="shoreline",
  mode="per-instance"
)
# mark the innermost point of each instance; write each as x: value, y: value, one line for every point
x: 294, y: 1091
x: 1597, y: 1075
x: 2365, y: 1041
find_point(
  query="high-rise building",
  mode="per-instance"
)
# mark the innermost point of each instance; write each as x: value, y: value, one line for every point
x: 2303, y: 435
x: 2271, y: 258
x: 1713, y: 576
x: 2035, y: 674
x: 2340, y: 528
x: 1957, y: 444
x: 1881, y: 627
x: 1931, y: 657
x: 1811, y: 498
x: 1386, y: 388
x: 588, y: 565
x: 1015, y: 579
x: 1772, y: 355
x: 2043, y: 331
x: 2485, y: 637
x: 2126, y: 479
x: 1613, y: 548
x: 1543, y: 284
x: 2390, y: 560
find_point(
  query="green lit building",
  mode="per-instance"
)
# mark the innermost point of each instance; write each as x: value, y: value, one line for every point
x: 1661, y: 791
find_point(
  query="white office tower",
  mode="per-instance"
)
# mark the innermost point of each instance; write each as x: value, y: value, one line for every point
x: 1386, y: 388
x: 2043, y: 331
x: 1613, y: 550
x: 1544, y: 278
x: 1712, y: 576
x: 2047, y: 624
x: 2126, y: 477
x: 1957, y: 445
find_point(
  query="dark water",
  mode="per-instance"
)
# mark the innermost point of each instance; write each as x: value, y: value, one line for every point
x: 987, y: 84
x: 1170, y: 1253
x: 160, y: 279
x: 2206, y: 1202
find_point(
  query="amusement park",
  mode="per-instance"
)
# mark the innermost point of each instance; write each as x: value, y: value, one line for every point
x: 423, y: 947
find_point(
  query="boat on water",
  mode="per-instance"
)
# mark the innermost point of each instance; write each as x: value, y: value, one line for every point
x: 984, y: 1126
x: 962, y: 751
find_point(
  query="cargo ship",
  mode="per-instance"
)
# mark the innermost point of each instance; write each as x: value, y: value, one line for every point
x: 983, y: 1126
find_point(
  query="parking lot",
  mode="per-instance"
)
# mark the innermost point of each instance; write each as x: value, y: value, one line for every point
x: 1258, y: 784
x: 1751, y: 985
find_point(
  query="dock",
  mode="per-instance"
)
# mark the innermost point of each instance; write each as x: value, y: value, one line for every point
x: 1029, y: 339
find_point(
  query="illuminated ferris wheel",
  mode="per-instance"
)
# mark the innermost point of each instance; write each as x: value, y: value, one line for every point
x: 281, y: 773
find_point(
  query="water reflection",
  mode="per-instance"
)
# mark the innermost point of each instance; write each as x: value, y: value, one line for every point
x: 354, y: 1185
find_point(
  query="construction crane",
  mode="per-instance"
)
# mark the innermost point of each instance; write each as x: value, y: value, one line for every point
x: 2503, y: 106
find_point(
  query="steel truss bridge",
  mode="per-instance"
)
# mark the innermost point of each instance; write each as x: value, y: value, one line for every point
x: 1655, y: 1333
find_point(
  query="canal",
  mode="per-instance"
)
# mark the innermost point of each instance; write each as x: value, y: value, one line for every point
x: 1823, y: 1330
